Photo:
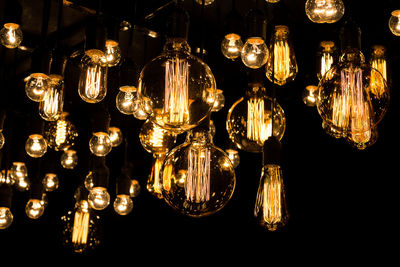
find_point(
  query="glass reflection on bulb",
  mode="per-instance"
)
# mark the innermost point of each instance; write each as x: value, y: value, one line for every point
x: 394, y: 22
x: 36, y: 146
x: 155, y: 139
x: 36, y: 86
x: 123, y: 204
x: 233, y: 156
x: 99, y: 198
x: 89, y: 181
x: 50, y: 182
x: 155, y: 181
x: 2, y: 139
x: 51, y: 107
x: 310, y: 95
x: 219, y: 101
x: 378, y: 62
x: 34, y: 209
x: 115, y: 135
x: 100, y: 144
x: 112, y: 55
x: 254, y: 53
x: 141, y: 108
x: 125, y: 100
x: 231, y: 46
x: 6, y: 217
x: 69, y: 159
x: 326, y: 58
x: 134, y: 190
x: 11, y: 35
x: 324, y: 11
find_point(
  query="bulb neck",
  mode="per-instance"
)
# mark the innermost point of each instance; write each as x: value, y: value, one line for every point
x: 353, y: 56
x: 256, y: 24
x: 272, y: 151
x: 176, y: 45
x: 199, y: 138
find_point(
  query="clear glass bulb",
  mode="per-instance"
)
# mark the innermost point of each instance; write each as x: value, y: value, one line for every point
x: 206, y: 2
x: 51, y: 107
x: 125, y: 100
x: 123, y: 204
x: 219, y: 102
x: 99, y: 198
x: 324, y: 11
x: 281, y: 66
x: 36, y: 86
x: 112, y: 54
x: 89, y: 181
x: 6, y: 217
x: 92, y: 87
x: 198, y: 177
x: 100, y: 144
x: 231, y: 46
x: 254, y: 53
x: 134, y: 190
x: 310, y: 95
x: 115, y: 135
x: 178, y: 86
x: 60, y: 134
x: 6, y: 177
x: 36, y: 146
x: 155, y: 139
x: 249, y: 120
x: 233, y: 156
x: 69, y: 159
x: 19, y: 172
x: 326, y: 58
x: 11, y: 35
x: 155, y: 181
x: 141, y: 108
x: 394, y: 22
x: 34, y: 209
x: 270, y: 209
x: 378, y: 61
x: 50, y: 182
x: 2, y: 139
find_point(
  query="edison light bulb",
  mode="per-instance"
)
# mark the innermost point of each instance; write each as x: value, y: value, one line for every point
x: 233, y: 156
x: 310, y: 95
x: 123, y: 204
x: 36, y: 146
x: 34, y: 209
x: 69, y: 159
x: 186, y: 83
x: 11, y: 35
x: 112, y: 54
x: 155, y: 181
x: 99, y: 198
x: 155, y: 139
x: 100, y: 144
x: 6, y: 178
x: 2, y: 139
x: 378, y: 62
x: 201, y: 178
x: 51, y: 107
x: 36, y: 86
x: 125, y: 100
x: 134, y: 190
x: 92, y: 86
x: 219, y: 102
x: 394, y: 22
x: 50, y: 182
x: 324, y: 11
x: 60, y: 134
x: 6, y: 217
x: 231, y: 46
x: 281, y: 66
x: 19, y: 172
x: 254, y: 53
x: 115, y: 135
x: 249, y: 120
x: 326, y: 58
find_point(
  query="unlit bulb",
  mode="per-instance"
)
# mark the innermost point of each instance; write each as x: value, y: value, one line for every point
x: 254, y: 53
x: 100, y: 144
x: 11, y: 35
x: 36, y: 146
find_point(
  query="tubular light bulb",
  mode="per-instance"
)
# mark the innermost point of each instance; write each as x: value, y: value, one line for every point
x: 123, y: 204
x: 155, y: 139
x: 99, y: 198
x: 69, y: 159
x: 324, y: 11
x: 115, y: 135
x: 36, y: 146
x: 155, y: 182
x: 231, y: 46
x: 254, y: 53
x: 34, y: 209
x: 100, y: 144
x: 6, y: 217
x: 50, y: 182
x: 51, y: 107
x: 310, y: 95
x: 2, y: 139
x: 378, y: 62
x: 92, y: 86
x: 394, y: 22
x: 36, y: 86
x: 282, y: 64
x: 11, y: 35
x: 326, y: 58
x: 134, y: 190
x: 270, y: 208
x: 125, y: 100
x: 112, y: 55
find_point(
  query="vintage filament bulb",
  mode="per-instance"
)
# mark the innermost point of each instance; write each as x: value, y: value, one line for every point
x: 61, y: 134
x: 378, y: 61
x: 6, y: 217
x: 123, y: 204
x: 324, y: 11
x: 99, y: 198
x: 11, y: 35
x: 125, y: 100
x: 51, y: 107
x: 326, y: 58
x: 34, y: 209
x: 36, y: 86
x: 231, y: 46
x: 36, y: 146
x: 155, y: 139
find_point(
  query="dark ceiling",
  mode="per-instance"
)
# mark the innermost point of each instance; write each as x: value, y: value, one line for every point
x: 336, y: 194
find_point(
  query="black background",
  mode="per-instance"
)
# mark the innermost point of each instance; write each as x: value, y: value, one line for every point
x: 341, y: 201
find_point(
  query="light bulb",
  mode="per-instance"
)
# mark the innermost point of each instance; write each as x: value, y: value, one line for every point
x: 51, y: 107
x: 19, y: 172
x: 326, y: 58
x: 89, y: 182
x: 112, y: 54
x: 34, y: 209
x: 99, y: 198
x: 233, y: 156
x: 11, y: 35
x: 125, y: 100
x: 50, y: 182
x: 310, y: 95
x: 270, y: 209
x: 115, y: 135
x: 324, y: 11
x: 2, y: 139
x: 155, y: 181
x: 206, y: 2
x: 219, y: 101
x: 60, y: 134
x: 394, y: 22
x: 254, y: 53
x: 155, y: 139
x: 69, y: 159
x: 201, y: 177
x: 231, y: 46
x: 36, y: 86
x: 134, y: 190
x: 281, y: 66
x: 100, y: 144
x: 36, y: 146
x: 378, y: 62
x: 141, y: 108
x: 186, y: 84
x: 92, y: 87
x: 6, y: 177
x: 249, y: 120
x: 123, y: 204
x: 6, y: 217
x: 213, y: 129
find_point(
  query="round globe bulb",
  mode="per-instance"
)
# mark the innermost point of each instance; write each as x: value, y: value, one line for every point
x: 394, y: 22
x: 99, y: 198
x: 11, y: 35
x: 112, y: 54
x: 36, y: 146
x: 254, y: 53
x: 100, y: 144
x: 231, y: 46
x: 310, y: 95
x: 233, y: 156
x: 115, y: 135
x: 50, y: 182
x: 6, y: 217
x: 324, y: 11
x: 36, y: 86
x: 134, y: 190
x: 123, y: 204
x: 125, y: 100
x: 34, y: 209
x: 69, y: 159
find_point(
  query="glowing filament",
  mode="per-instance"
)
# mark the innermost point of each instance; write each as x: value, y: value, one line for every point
x: 51, y: 105
x: 154, y: 184
x: 177, y: 91
x: 282, y: 61
x: 376, y: 83
x: 157, y: 137
x: 80, y: 230
x: 257, y: 128
x: 326, y: 64
x: 93, y: 81
x: 61, y: 132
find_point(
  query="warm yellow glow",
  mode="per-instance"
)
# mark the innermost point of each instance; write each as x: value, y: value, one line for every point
x: 92, y: 85
x: 326, y: 58
x: 258, y: 127
x: 11, y: 36
x: 378, y: 62
x: 61, y: 132
x: 51, y: 105
x: 154, y: 183
x: 80, y: 229
x: 167, y: 175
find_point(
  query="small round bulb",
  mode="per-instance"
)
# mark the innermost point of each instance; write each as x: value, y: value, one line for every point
x: 19, y: 173
x: 6, y: 177
x: 254, y: 53
x: 89, y: 182
x: 123, y: 204
x: 233, y: 156
x: 11, y: 35
x: 115, y: 135
x: 219, y: 102
x: 100, y: 144
x: 310, y: 95
x: 50, y: 182
x: 36, y: 146
x: 134, y: 190
x: 231, y: 46
x: 112, y: 54
x: 6, y: 217
x: 394, y: 22
x: 125, y: 100
x: 69, y: 159
x: 99, y: 198
x: 34, y: 208
x: 324, y: 11
x: 36, y: 86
